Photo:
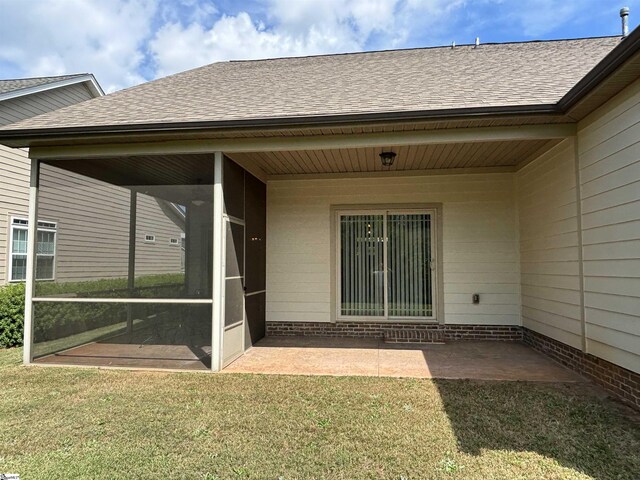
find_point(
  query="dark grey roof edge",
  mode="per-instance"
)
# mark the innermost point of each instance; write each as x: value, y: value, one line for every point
x: 628, y: 47
x: 283, y: 122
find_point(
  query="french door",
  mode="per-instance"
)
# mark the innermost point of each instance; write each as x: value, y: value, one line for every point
x: 386, y: 267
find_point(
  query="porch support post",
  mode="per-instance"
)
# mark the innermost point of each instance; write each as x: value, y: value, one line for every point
x: 218, y: 274
x: 27, y: 356
x: 133, y: 207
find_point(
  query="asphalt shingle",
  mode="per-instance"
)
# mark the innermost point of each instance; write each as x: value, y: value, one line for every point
x: 12, y: 85
x: 509, y: 74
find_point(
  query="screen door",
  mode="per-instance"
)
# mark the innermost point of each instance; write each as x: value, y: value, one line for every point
x: 234, y: 312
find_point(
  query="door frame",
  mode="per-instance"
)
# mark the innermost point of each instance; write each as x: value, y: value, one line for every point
x: 435, y: 209
x: 227, y: 219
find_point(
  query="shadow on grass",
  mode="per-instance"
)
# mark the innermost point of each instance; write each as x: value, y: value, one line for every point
x: 569, y: 423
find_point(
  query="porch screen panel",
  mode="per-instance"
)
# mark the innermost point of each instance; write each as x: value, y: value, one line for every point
x: 409, y: 265
x: 124, y: 262
x: 362, y: 265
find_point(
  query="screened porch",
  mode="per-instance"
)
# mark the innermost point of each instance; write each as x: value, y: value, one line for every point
x: 132, y: 282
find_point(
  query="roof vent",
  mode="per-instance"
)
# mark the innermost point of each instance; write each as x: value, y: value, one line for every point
x: 624, y: 15
x: 477, y: 42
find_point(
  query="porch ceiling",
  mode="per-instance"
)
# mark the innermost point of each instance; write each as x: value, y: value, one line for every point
x: 409, y: 157
x: 190, y: 169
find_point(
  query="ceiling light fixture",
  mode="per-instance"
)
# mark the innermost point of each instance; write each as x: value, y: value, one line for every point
x: 387, y: 158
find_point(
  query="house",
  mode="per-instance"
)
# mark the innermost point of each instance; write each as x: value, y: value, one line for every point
x: 57, y: 234
x: 20, y: 99
x: 471, y: 192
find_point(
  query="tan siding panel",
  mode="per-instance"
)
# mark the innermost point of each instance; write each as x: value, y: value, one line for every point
x: 613, y: 233
x: 161, y: 256
x: 15, y: 164
x: 93, y: 229
x: 610, y: 172
x: 615, y: 354
x: 28, y: 106
x: 549, y: 255
x: 14, y: 197
x: 615, y: 321
x: 479, y: 242
x: 627, y: 212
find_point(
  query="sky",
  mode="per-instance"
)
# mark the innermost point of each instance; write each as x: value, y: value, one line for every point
x: 127, y: 42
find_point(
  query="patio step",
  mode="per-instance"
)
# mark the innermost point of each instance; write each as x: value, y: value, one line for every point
x: 413, y: 336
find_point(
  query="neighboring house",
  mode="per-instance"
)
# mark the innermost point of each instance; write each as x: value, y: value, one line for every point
x: 20, y: 99
x: 58, y: 230
x: 467, y: 192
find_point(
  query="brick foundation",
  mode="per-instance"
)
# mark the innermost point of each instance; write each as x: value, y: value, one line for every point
x: 377, y: 330
x: 619, y: 381
x: 414, y: 336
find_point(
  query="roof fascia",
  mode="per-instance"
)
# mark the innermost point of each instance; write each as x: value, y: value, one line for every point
x: 91, y: 81
x: 316, y: 142
x: 628, y: 47
x: 10, y: 137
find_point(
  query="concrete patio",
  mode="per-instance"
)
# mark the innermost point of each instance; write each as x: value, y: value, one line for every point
x: 371, y: 357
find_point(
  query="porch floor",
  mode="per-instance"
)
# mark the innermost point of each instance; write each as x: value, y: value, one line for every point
x: 372, y: 357
x: 131, y: 355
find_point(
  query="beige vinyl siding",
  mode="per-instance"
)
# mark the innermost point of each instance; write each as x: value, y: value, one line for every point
x: 27, y: 106
x: 14, y: 197
x: 609, y: 159
x: 549, y: 245
x: 15, y: 164
x: 160, y: 256
x: 93, y: 225
x: 93, y: 229
x: 479, y: 242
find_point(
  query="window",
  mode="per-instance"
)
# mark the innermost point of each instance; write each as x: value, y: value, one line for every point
x: 149, y: 238
x: 174, y: 241
x: 182, y: 251
x: 45, y: 250
x: 385, y: 264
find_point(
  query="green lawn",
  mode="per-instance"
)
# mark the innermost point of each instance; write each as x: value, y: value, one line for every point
x: 84, y: 423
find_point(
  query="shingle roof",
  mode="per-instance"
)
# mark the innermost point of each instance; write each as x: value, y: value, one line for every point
x: 12, y: 85
x: 439, y: 78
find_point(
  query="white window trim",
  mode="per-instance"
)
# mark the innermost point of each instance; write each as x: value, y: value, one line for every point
x: 25, y: 227
x: 147, y: 240
x: 174, y: 241
x: 386, y: 210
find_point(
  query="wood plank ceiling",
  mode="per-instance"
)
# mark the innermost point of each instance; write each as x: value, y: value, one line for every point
x: 409, y: 158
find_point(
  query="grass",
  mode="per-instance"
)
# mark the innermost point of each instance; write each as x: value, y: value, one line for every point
x: 87, y: 423
x: 112, y: 287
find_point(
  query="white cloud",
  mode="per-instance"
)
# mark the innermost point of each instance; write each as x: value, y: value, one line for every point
x: 242, y: 37
x: 303, y: 27
x: 56, y: 37
x: 231, y: 37
x: 187, y: 11
x: 125, y: 42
